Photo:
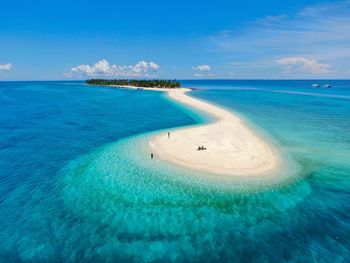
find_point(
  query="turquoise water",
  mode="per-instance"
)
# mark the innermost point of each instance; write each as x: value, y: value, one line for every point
x: 77, y: 184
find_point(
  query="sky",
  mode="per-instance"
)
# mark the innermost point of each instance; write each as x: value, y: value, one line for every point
x: 222, y: 39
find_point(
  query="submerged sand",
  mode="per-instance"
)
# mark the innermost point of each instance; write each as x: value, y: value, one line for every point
x: 232, y: 148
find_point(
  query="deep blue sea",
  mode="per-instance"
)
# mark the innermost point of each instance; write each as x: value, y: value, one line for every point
x: 75, y: 185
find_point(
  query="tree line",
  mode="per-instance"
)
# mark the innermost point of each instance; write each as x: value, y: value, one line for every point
x: 151, y: 83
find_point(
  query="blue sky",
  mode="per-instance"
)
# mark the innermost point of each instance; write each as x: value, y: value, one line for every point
x: 49, y: 40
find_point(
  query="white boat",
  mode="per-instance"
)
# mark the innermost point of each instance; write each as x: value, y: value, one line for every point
x: 315, y: 85
x: 327, y: 86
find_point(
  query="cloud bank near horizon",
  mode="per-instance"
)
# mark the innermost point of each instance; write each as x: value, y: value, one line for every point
x: 300, y: 64
x: 202, y: 71
x: 103, y: 68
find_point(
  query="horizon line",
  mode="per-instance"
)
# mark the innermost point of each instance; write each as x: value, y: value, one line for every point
x: 211, y: 79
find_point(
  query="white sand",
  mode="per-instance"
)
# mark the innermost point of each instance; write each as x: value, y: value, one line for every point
x: 232, y: 147
x: 147, y: 88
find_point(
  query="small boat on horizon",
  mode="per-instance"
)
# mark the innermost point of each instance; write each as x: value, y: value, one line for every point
x: 315, y: 85
x: 327, y: 86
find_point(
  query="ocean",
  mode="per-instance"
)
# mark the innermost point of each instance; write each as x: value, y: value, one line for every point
x: 77, y: 184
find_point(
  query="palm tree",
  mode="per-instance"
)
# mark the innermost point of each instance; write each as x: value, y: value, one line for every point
x: 152, y: 83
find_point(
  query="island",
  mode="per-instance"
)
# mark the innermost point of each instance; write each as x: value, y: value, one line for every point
x: 224, y: 146
x: 144, y: 83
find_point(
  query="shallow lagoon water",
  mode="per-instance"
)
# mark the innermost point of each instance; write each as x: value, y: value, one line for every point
x: 75, y: 186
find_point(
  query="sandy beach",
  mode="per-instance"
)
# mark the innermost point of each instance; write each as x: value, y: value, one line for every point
x: 232, y: 148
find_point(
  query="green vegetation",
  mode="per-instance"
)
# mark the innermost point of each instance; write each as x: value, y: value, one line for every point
x: 152, y: 83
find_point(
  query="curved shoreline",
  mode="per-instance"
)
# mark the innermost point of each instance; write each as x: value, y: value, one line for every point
x: 233, y: 148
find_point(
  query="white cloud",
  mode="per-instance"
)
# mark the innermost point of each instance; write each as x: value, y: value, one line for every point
x: 104, y: 69
x: 202, y: 71
x: 6, y: 67
x: 153, y: 65
x: 302, y: 64
x: 202, y: 68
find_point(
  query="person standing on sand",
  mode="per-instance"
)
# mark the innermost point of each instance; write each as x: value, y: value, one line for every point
x: 151, y: 155
x: 168, y: 135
